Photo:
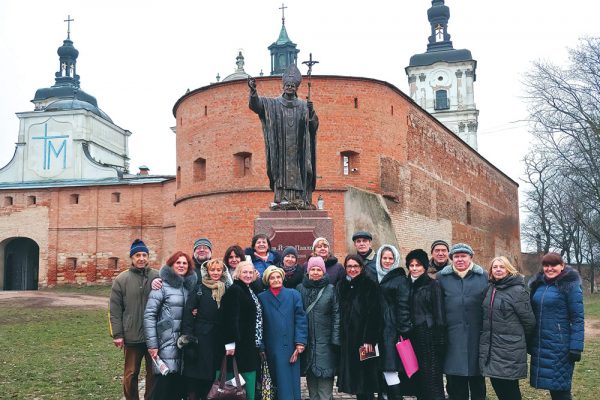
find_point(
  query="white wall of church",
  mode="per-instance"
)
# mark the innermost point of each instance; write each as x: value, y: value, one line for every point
x: 51, y: 147
x: 460, y: 114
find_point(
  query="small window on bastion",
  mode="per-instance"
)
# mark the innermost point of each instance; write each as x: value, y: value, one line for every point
x: 113, y: 262
x: 199, y: 170
x: 71, y: 263
x: 74, y: 198
x: 350, y: 162
x: 8, y: 201
x: 242, y: 165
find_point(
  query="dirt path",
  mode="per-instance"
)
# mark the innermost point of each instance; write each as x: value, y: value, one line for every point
x: 34, y: 298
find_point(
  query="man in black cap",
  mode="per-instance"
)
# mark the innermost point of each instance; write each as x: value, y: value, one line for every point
x: 362, y: 242
x: 439, y: 256
x: 128, y: 298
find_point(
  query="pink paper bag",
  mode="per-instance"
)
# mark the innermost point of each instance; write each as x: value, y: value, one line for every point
x: 407, y: 355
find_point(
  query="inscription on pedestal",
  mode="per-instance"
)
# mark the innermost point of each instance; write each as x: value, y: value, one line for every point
x: 297, y: 228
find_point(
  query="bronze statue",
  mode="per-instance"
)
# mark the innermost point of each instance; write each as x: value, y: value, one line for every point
x: 289, y: 129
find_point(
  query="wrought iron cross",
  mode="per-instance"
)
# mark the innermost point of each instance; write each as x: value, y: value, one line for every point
x: 282, y: 8
x: 68, y: 21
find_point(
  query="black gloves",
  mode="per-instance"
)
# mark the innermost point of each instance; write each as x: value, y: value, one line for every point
x: 574, y: 356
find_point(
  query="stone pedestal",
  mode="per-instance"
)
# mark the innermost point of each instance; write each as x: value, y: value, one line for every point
x: 298, y: 228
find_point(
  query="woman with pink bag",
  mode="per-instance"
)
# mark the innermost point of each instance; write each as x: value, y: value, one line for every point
x: 429, y: 327
x: 394, y: 289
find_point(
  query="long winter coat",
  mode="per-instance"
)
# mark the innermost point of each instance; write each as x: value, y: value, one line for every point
x: 285, y: 325
x: 462, y: 302
x: 360, y: 322
x: 428, y: 318
x: 558, y: 309
x: 163, y: 315
x: 320, y: 356
x: 395, y: 291
x: 239, y: 325
x: 507, y: 320
x: 204, y: 359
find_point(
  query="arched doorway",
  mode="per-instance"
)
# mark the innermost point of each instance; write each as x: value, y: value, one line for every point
x: 21, y: 264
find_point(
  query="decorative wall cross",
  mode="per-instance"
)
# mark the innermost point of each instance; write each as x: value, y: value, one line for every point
x: 50, y: 149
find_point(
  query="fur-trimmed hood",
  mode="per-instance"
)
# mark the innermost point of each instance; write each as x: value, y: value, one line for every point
x: 568, y: 278
x: 168, y: 275
x: 448, y: 270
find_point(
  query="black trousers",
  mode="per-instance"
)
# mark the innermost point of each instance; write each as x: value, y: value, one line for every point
x: 197, y: 389
x: 168, y: 387
x: 506, y: 389
x: 459, y: 387
x: 561, y: 395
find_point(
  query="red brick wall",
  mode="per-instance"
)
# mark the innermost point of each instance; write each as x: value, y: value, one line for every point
x: 97, y: 228
x: 361, y: 115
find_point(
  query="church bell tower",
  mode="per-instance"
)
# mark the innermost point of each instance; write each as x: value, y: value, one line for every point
x: 441, y: 80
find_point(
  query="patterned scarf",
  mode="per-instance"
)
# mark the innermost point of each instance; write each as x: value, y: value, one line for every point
x: 289, y: 271
x: 217, y: 288
x: 259, y: 319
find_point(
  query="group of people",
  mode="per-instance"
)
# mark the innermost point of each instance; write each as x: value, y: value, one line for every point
x: 318, y: 318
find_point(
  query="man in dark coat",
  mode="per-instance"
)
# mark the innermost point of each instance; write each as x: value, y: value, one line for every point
x: 363, y: 242
x: 465, y: 285
x: 289, y: 128
x: 439, y: 256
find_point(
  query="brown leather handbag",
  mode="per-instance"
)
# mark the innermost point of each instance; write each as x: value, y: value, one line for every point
x: 222, y: 390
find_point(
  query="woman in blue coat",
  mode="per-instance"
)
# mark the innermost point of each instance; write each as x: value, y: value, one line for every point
x: 285, y: 332
x: 557, y: 343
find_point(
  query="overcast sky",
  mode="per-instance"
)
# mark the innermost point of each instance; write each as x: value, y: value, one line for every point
x: 138, y: 57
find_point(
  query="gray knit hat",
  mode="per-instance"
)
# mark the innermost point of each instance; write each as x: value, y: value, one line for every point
x: 461, y: 248
x: 438, y: 243
x: 289, y: 250
x: 202, y: 242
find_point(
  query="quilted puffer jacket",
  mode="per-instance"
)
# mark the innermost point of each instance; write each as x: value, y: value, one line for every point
x: 507, y: 321
x: 558, y: 309
x: 163, y: 315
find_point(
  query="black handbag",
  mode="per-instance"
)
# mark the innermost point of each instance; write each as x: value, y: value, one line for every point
x: 222, y: 390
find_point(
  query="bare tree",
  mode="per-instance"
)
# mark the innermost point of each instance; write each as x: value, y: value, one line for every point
x: 563, y: 168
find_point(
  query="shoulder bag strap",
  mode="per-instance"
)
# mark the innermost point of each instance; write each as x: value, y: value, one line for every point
x: 223, y: 372
x: 236, y: 374
x: 310, y: 307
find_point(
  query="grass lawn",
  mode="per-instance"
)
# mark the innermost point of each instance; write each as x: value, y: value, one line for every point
x: 66, y: 353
